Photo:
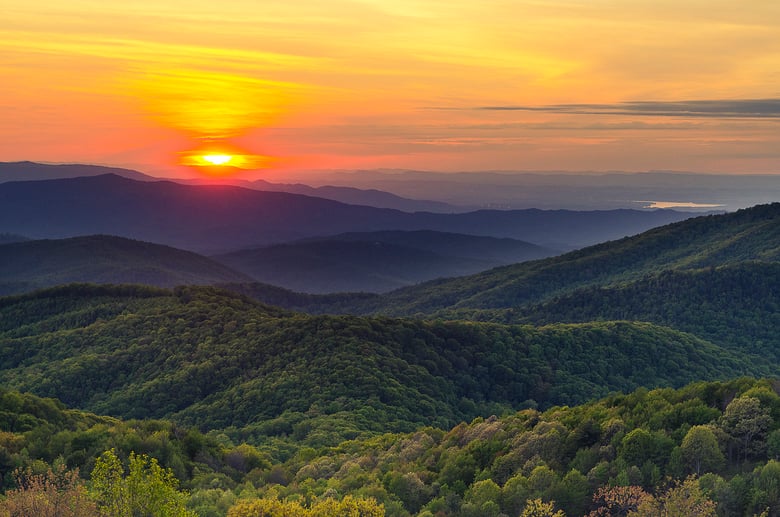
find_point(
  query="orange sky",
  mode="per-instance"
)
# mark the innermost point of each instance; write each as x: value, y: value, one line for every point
x: 425, y: 84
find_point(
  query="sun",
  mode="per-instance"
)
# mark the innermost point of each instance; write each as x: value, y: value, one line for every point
x: 217, y: 159
x: 223, y: 159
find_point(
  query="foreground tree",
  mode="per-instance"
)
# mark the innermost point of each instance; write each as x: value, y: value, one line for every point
x: 57, y: 493
x: 147, y: 489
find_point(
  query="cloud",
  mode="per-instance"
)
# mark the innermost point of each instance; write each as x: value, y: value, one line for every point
x: 738, y: 108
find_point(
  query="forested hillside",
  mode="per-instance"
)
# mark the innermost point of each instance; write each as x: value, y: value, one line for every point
x: 737, y: 306
x: 216, y: 360
x: 627, y: 454
x: 29, y: 265
x: 707, y: 241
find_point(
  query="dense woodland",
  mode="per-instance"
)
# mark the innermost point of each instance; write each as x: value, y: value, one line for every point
x: 213, y: 359
x: 712, y: 446
x: 637, y: 377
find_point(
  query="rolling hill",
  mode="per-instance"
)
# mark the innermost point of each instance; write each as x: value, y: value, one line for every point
x: 209, y: 358
x: 376, y: 261
x: 218, y: 218
x: 104, y: 259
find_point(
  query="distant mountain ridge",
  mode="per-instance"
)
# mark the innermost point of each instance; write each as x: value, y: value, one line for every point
x: 354, y: 196
x: 31, y: 171
x: 218, y: 218
x: 29, y: 265
x: 376, y: 261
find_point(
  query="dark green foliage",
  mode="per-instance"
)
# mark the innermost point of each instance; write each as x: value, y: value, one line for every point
x: 216, y: 360
x: 736, y: 306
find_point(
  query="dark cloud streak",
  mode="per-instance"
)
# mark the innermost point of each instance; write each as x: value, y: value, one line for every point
x: 740, y: 108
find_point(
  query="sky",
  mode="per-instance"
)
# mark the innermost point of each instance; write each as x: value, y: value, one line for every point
x: 442, y: 85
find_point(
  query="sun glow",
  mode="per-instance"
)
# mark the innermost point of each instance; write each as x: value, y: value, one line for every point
x: 223, y: 159
x: 217, y: 159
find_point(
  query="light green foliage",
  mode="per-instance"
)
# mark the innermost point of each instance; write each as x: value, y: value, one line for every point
x: 701, y: 451
x: 146, y: 488
x: 489, y: 467
x: 538, y: 508
x: 326, y: 507
x: 562, y: 454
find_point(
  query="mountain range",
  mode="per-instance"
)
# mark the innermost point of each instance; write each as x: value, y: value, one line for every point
x: 219, y: 218
x: 31, y: 171
x: 255, y: 395
x: 206, y: 357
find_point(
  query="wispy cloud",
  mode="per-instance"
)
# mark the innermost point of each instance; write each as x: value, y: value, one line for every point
x: 738, y: 108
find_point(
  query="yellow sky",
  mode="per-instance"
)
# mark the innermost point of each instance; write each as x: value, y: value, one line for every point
x: 426, y: 84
